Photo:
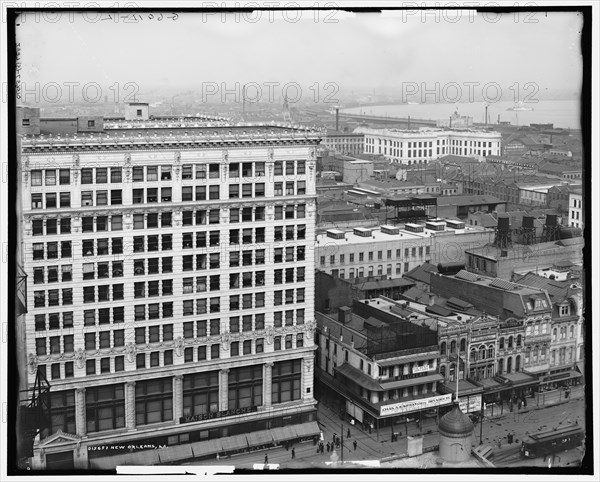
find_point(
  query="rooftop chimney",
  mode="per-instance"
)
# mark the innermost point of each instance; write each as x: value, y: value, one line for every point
x: 344, y: 314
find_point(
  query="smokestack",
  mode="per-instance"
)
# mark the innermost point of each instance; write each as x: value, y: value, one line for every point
x: 486, y: 115
x: 337, y: 119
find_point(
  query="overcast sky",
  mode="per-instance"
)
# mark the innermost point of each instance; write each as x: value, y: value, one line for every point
x: 368, y: 50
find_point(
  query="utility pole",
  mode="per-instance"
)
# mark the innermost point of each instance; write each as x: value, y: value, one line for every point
x: 342, y: 432
x: 481, y: 426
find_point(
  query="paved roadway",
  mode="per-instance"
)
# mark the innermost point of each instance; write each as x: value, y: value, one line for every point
x: 373, y: 446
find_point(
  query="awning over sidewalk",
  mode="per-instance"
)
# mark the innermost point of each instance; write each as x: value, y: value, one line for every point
x: 307, y: 429
x: 490, y: 386
x: 175, y: 453
x: 464, y: 387
x: 259, y: 438
x: 558, y: 377
x: 281, y: 434
x: 206, y: 447
x: 235, y: 442
x: 580, y: 367
x: 518, y: 379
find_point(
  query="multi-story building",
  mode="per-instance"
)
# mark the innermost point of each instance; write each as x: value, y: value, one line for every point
x: 525, y: 319
x: 565, y: 340
x: 344, y: 142
x: 576, y: 209
x: 170, y: 288
x: 419, y: 147
x: 378, y: 368
x: 491, y: 260
x: 395, y: 250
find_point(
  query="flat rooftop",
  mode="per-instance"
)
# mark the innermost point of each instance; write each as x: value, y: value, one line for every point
x: 378, y: 236
x: 144, y: 134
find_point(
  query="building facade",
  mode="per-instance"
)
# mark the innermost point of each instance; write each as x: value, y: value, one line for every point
x: 393, y: 250
x: 379, y: 369
x: 344, y: 142
x: 170, y: 287
x: 576, y: 209
x: 411, y: 147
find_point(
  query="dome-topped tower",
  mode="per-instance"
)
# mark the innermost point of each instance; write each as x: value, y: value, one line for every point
x: 456, y: 430
x: 455, y: 422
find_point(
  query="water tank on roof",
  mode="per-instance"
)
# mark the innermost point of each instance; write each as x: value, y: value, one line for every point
x: 450, y: 268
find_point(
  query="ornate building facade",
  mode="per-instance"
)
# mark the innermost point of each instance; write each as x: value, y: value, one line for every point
x: 170, y: 289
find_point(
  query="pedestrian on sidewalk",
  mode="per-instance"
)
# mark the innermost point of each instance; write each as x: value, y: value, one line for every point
x: 355, y: 443
x: 293, y: 453
x: 348, y: 434
x: 266, y: 459
x: 327, y: 447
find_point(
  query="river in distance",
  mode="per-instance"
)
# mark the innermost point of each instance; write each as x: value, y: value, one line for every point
x: 561, y: 113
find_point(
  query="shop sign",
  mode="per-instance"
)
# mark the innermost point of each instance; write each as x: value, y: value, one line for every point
x: 471, y: 403
x: 221, y: 414
x: 418, y: 369
x: 414, y: 405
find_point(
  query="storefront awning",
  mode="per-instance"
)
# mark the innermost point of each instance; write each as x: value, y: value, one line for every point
x: 518, y: 379
x: 411, y: 381
x: 106, y: 463
x: 281, y: 434
x: 307, y: 429
x: 206, y: 447
x: 233, y: 443
x: 144, y: 457
x: 558, y: 377
x: 175, y: 453
x: 490, y: 386
x: 580, y: 368
x: 259, y: 438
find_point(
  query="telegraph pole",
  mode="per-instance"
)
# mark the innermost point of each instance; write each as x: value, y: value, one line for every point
x: 342, y: 449
x: 481, y: 426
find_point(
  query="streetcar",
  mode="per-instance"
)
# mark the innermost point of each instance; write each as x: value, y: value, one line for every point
x: 552, y: 441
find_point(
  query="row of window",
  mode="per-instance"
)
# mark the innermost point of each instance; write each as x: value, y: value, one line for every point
x: 114, y: 197
x: 52, y: 200
x: 189, y: 218
x: 360, y: 272
x: 105, y: 405
x: 53, y: 297
x: 341, y: 259
x: 49, y: 177
x: 53, y: 274
x: 287, y: 275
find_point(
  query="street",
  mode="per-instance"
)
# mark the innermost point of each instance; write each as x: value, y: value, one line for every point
x: 379, y: 447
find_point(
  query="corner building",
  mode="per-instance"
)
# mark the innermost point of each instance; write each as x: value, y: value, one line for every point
x: 171, y: 289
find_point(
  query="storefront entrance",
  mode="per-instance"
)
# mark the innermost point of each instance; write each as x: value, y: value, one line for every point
x: 60, y: 461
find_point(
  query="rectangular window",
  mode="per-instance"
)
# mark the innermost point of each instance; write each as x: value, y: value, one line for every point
x: 65, y: 199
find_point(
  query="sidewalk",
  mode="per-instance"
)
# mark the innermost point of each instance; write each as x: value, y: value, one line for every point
x: 374, y: 446
x: 379, y: 447
x: 550, y: 399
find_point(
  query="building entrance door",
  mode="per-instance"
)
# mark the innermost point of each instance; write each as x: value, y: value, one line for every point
x: 60, y: 461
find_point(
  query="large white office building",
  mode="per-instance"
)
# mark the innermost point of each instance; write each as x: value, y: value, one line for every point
x: 170, y: 287
x: 411, y: 147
